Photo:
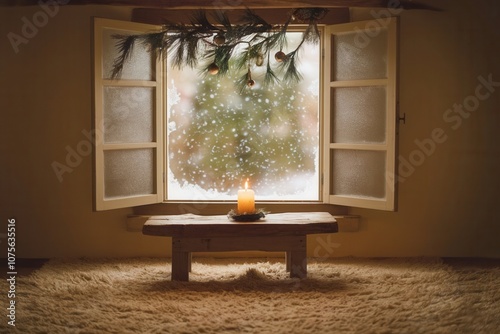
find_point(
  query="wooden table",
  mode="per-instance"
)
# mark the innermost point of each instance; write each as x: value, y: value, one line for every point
x: 276, y: 232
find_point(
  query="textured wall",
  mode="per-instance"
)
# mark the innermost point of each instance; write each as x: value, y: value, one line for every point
x: 448, y: 196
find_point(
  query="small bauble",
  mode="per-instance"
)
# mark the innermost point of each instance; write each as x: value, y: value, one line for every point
x: 213, y: 69
x: 250, y: 83
x: 280, y: 56
x: 219, y: 39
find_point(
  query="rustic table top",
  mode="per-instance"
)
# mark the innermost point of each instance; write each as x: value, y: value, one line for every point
x: 274, y: 224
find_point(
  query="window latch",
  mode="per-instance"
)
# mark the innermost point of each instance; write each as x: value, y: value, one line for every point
x: 403, y: 119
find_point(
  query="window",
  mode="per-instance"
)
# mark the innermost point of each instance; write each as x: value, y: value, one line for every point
x: 219, y: 135
x: 356, y: 155
x: 360, y: 114
x: 127, y: 122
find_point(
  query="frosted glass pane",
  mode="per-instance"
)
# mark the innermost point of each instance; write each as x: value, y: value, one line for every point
x: 139, y: 66
x: 128, y: 114
x: 357, y: 55
x: 358, y: 173
x: 359, y: 115
x: 129, y: 173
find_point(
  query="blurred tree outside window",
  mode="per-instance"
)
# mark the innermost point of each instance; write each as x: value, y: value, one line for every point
x: 219, y: 136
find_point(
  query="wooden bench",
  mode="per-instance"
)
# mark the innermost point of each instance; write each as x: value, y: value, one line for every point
x: 276, y: 232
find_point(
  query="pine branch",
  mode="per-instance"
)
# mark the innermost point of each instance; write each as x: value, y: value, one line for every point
x: 200, y: 20
x: 185, y: 43
x: 270, y: 79
x: 155, y: 43
x: 242, y: 82
x: 222, y: 56
x: 125, y: 46
x: 192, y: 52
x: 276, y: 40
x: 311, y: 34
x: 241, y: 61
x: 183, y: 47
x: 292, y: 74
x: 221, y: 18
x: 176, y: 51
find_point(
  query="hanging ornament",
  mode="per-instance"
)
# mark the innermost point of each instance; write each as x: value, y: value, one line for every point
x: 280, y: 56
x: 259, y: 60
x: 183, y: 43
x: 219, y: 39
x: 250, y: 81
x: 213, y: 69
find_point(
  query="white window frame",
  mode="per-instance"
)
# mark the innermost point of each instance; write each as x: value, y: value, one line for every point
x: 100, y: 147
x: 364, y: 28
x: 389, y: 203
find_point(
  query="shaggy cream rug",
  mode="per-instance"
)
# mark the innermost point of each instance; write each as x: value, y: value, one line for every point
x: 257, y: 296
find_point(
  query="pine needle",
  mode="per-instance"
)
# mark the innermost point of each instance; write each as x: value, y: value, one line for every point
x: 291, y: 75
x: 186, y: 44
x: 242, y: 82
x: 125, y: 47
x: 270, y: 78
x: 200, y: 20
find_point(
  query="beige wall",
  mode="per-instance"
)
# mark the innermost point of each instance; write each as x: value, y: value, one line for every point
x: 447, y: 205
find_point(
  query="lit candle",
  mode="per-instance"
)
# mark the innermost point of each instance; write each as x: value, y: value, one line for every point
x: 246, y: 200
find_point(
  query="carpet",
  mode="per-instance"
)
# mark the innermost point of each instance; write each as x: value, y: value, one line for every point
x: 346, y: 295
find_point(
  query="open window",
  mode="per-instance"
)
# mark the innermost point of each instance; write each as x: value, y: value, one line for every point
x: 219, y: 135
x: 358, y: 120
x: 360, y: 93
x: 127, y: 121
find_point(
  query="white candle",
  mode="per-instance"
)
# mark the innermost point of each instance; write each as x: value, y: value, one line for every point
x: 246, y: 200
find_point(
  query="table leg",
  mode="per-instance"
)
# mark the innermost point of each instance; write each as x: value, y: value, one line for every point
x: 180, y: 266
x: 288, y: 261
x: 298, y: 264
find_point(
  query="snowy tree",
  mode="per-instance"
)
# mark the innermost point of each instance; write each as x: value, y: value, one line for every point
x: 257, y: 134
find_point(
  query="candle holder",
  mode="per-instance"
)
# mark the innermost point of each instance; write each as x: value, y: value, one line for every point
x: 246, y: 217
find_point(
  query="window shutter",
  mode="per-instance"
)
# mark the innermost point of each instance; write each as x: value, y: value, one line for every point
x: 127, y: 121
x: 360, y: 92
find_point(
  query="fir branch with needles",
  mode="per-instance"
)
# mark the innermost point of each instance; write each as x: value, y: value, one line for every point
x: 219, y: 45
x: 125, y: 46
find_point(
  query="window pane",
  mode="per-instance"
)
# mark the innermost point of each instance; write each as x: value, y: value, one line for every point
x: 358, y: 115
x: 128, y: 114
x: 218, y: 137
x: 360, y: 55
x: 139, y: 66
x: 128, y: 173
x: 358, y: 173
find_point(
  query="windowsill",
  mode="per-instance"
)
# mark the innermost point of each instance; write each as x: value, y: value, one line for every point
x: 220, y: 208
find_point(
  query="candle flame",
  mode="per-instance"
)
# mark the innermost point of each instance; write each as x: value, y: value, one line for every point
x: 246, y: 184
